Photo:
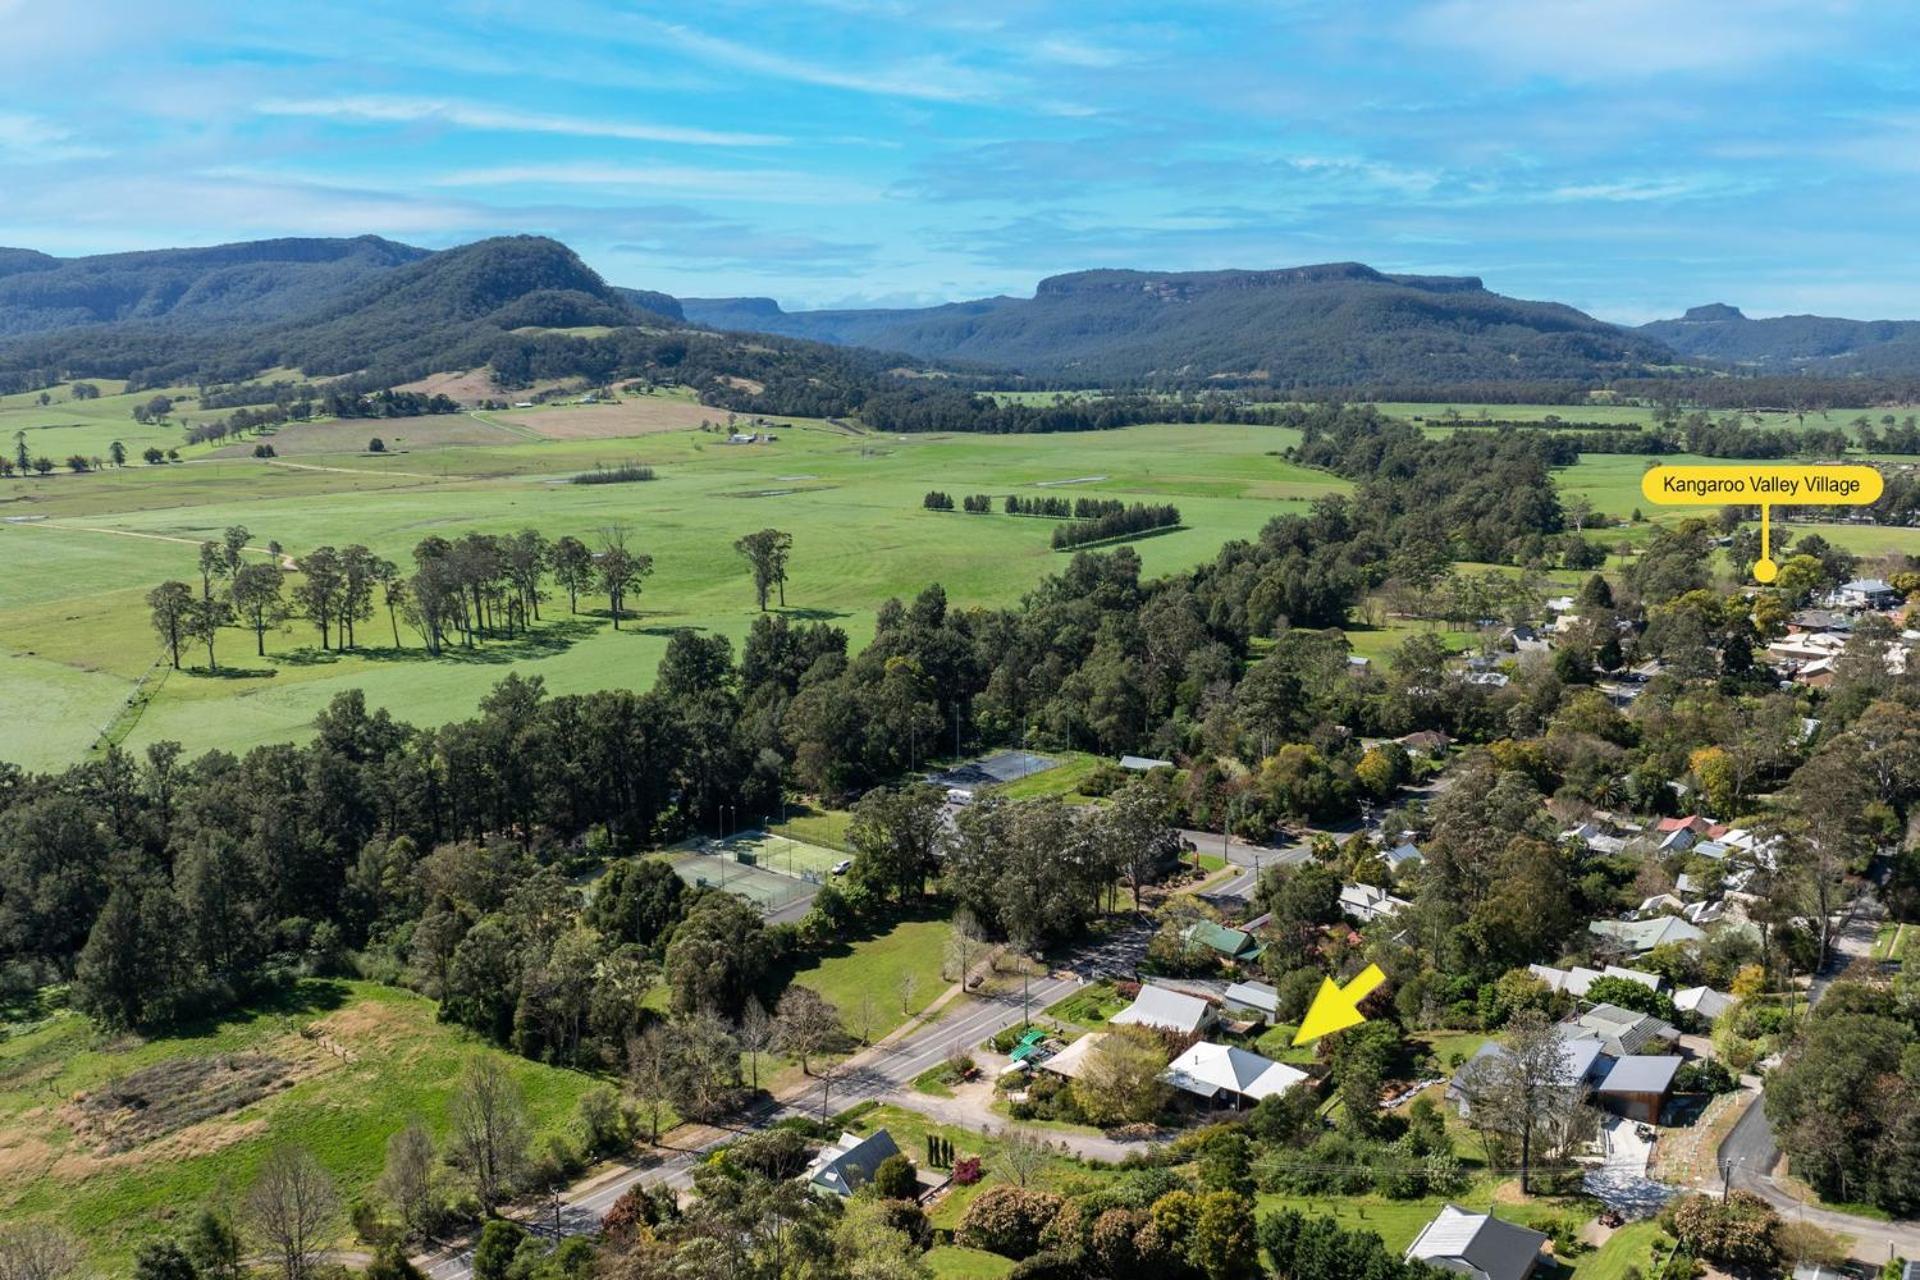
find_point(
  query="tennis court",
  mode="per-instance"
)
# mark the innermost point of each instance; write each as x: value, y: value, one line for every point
x: 794, y: 858
x: 768, y: 890
x: 1004, y: 766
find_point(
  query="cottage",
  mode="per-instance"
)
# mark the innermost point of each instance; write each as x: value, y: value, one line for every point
x: 1576, y: 980
x: 1226, y: 1076
x: 1642, y: 936
x: 1638, y: 1086
x: 1864, y: 593
x: 1703, y: 1002
x: 1478, y: 1245
x: 847, y: 1164
x: 1225, y: 942
x: 1166, y: 1009
x: 1403, y: 855
x: 1584, y: 1063
x: 1367, y: 903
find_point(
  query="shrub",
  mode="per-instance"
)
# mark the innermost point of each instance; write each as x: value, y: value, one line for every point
x: 1008, y: 1221
x: 966, y: 1171
x: 1704, y: 1075
x: 895, y: 1180
x: 376, y: 445
x: 1742, y: 1231
x: 624, y: 473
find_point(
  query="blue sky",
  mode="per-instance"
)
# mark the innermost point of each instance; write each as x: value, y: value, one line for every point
x: 1631, y: 157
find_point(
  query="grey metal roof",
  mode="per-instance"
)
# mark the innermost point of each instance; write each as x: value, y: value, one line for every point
x: 1641, y: 1073
x: 851, y: 1169
x: 1483, y: 1243
x: 1253, y: 995
x: 1161, y: 1007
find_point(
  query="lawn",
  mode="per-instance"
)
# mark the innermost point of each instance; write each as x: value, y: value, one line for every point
x: 1063, y: 780
x: 951, y: 1262
x: 75, y: 621
x: 1088, y: 1007
x: 369, y: 1058
x: 875, y: 968
x: 826, y: 827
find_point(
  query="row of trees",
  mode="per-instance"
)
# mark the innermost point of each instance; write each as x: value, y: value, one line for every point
x: 1116, y: 522
x: 462, y: 590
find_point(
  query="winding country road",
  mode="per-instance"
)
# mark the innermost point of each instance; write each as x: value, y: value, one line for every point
x: 882, y: 1072
x: 1749, y: 1155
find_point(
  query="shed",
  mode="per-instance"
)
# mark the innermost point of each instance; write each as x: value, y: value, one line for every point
x: 1253, y: 999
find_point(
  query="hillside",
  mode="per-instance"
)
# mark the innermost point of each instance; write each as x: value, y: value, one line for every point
x: 220, y: 287
x: 1789, y: 344
x: 1337, y: 324
x: 384, y: 314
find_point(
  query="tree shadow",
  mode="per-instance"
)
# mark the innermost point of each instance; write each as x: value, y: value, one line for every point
x: 802, y: 614
x: 231, y: 673
x: 546, y: 640
x: 303, y: 999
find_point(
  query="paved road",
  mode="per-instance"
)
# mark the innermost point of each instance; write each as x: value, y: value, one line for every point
x: 880, y: 1072
x: 1749, y: 1155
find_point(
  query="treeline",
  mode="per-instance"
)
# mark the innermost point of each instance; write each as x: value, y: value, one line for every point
x: 911, y: 405
x: 1117, y: 521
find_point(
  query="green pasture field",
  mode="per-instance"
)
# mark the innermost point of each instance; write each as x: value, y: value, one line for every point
x: 374, y: 1056
x: 77, y: 638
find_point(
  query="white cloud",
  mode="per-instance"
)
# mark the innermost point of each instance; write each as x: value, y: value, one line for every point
x: 768, y: 186
x: 929, y: 78
x: 1590, y: 40
x: 34, y: 138
x: 371, y: 109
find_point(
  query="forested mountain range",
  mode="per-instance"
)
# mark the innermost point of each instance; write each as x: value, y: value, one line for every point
x: 382, y: 314
x: 1787, y: 344
x: 378, y: 313
x: 1331, y: 325
x: 217, y: 287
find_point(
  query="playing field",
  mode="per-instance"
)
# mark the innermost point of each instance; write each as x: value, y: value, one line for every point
x: 75, y: 637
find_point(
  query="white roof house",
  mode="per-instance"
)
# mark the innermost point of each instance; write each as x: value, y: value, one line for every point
x: 1209, y: 1070
x: 1703, y: 1001
x: 1367, y: 903
x: 1166, y: 1009
x: 1478, y: 1245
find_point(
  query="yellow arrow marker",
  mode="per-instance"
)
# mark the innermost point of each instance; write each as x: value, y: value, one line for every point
x: 1335, y: 1009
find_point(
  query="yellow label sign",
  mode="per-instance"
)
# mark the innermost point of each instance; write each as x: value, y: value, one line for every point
x: 1850, y: 486
x: 1744, y: 485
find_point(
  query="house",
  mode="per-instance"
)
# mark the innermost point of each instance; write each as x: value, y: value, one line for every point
x: 1367, y: 903
x: 1489, y: 679
x: 1621, y: 1032
x: 1638, y: 1086
x: 1703, y: 1002
x: 1142, y: 764
x: 1431, y: 741
x: 1225, y: 942
x: 1864, y: 593
x: 1072, y: 1060
x: 1584, y: 1063
x: 1659, y: 904
x: 1642, y: 936
x: 1167, y: 1010
x: 1252, y: 1000
x: 1478, y: 1245
x: 847, y: 1165
x: 1576, y: 980
x: 1226, y: 1076
x: 1405, y: 854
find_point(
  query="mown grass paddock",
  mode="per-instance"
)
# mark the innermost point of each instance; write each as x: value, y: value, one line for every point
x: 74, y: 619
